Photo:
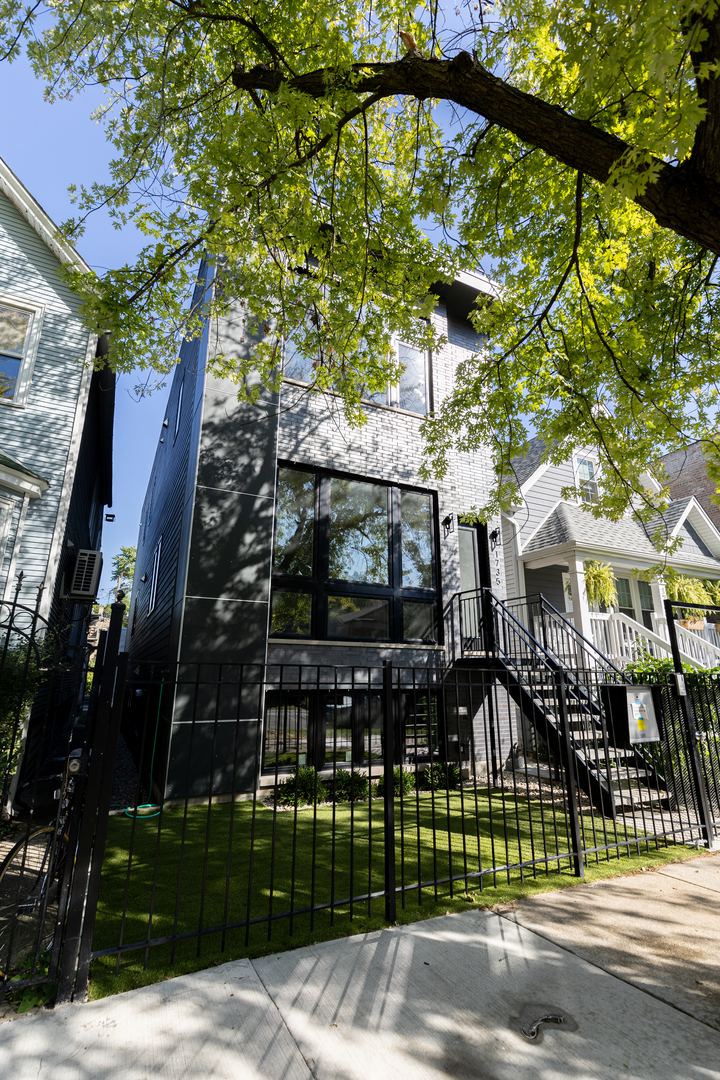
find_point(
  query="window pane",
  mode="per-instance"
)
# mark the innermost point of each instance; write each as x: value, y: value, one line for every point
x: 291, y: 612
x: 418, y: 621
x: 588, y: 479
x: 13, y: 330
x: 9, y: 371
x: 294, y: 526
x: 338, y: 727
x: 370, y: 719
x: 358, y: 532
x: 358, y: 616
x: 646, y: 597
x: 286, y: 728
x: 416, y: 541
x: 413, y: 392
x: 625, y: 601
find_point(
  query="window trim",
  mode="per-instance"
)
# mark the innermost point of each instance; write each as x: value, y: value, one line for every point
x: 321, y: 585
x: 592, y: 458
x: 30, y: 348
x: 154, y: 575
x: 178, y: 408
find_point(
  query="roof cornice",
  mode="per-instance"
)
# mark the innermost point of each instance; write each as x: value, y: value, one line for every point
x: 37, y: 219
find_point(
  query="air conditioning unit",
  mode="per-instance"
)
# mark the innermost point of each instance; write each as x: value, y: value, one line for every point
x: 81, y: 583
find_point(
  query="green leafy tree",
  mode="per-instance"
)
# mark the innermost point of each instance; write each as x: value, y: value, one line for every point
x: 123, y: 572
x: 569, y: 149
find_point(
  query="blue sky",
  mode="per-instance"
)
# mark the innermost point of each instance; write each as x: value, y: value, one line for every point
x: 50, y: 147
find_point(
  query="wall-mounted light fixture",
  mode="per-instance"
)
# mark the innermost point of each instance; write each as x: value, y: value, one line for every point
x: 109, y: 517
x: 166, y: 422
x: 448, y: 525
x: 144, y: 578
x: 494, y: 539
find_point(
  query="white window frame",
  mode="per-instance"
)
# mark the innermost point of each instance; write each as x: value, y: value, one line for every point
x: 592, y: 458
x: 178, y: 408
x: 154, y: 577
x: 30, y: 349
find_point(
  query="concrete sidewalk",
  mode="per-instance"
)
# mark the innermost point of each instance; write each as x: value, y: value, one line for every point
x: 632, y: 966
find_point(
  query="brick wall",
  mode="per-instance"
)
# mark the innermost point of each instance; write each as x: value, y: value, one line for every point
x: 687, y: 475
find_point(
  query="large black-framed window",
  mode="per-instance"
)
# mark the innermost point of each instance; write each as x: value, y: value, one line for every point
x: 354, y: 559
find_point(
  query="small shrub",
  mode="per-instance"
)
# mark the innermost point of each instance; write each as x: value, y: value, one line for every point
x: 350, y: 786
x: 404, y: 782
x: 440, y: 777
x: 302, y: 787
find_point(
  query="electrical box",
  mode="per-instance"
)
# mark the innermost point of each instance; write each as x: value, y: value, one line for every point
x: 633, y: 713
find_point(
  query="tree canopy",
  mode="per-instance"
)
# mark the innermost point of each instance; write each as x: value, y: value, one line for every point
x: 333, y: 173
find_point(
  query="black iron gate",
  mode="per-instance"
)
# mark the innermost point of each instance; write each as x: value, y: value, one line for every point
x: 54, y: 690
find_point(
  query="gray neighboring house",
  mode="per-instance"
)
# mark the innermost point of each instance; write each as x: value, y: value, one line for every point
x: 273, y: 533
x: 56, y: 413
x: 547, y: 539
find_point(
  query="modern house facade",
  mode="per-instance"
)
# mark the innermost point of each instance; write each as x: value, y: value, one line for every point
x: 276, y: 534
x: 548, y: 539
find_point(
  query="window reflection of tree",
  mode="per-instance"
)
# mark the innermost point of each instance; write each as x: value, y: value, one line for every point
x: 416, y: 541
x: 291, y: 613
x: 294, y: 530
x: 358, y: 532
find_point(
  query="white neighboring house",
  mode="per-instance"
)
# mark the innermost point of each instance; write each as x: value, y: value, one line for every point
x: 548, y: 539
x: 56, y: 414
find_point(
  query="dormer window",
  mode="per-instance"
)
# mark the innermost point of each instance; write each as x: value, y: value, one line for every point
x: 587, y: 479
x: 19, y: 333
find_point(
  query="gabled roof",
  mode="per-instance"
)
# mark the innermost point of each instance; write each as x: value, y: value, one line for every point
x: 570, y: 525
x: 18, y: 477
x: 525, y: 465
x: 36, y: 217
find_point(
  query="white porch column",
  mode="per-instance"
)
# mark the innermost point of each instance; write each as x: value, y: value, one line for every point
x: 581, y: 611
x: 658, y: 595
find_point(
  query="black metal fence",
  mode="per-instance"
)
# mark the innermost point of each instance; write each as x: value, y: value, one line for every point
x: 272, y: 805
x: 43, y: 677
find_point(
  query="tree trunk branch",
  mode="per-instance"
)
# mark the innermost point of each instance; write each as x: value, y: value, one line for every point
x: 682, y: 198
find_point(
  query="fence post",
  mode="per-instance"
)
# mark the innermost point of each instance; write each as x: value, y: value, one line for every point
x: 488, y: 622
x: 572, y: 788
x: 688, y: 715
x: 389, y: 792
x: 103, y: 746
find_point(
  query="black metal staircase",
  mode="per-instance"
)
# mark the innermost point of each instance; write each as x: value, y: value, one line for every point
x: 554, y: 675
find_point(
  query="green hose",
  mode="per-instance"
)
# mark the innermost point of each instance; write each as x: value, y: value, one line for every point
x: 132, y: 811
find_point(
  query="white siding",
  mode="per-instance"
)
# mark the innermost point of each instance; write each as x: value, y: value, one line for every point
x: 40, y: 434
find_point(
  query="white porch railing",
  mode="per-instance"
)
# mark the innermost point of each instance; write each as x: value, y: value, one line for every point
x: 624, y: 640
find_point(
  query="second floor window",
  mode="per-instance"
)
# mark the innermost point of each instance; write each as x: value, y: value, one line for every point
x: 411, y: 393
x: 587, y: 479
x: 19, y: 331
x: 353, y: 559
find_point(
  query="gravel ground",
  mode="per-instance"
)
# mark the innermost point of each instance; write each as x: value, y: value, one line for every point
x: 124, y: 790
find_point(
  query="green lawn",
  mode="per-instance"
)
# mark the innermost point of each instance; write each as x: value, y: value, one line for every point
x: 189, y: 890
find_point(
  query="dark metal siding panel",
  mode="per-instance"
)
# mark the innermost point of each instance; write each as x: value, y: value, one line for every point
x: 150, y: 636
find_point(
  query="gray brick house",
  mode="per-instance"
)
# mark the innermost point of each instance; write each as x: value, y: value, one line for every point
x: 275, y: 534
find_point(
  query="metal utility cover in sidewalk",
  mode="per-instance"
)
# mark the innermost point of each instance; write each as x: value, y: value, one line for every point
x: 447, y: 998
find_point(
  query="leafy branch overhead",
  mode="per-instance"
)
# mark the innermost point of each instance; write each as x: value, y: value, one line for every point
x: 333, y: 169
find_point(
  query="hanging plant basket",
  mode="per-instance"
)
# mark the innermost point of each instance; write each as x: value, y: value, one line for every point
x: 694, y: 624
